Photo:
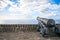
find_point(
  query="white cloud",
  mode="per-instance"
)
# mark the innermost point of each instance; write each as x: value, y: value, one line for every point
x: 2, y: 5
x: 26, y: 10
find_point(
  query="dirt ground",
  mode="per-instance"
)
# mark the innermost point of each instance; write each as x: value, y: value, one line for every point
x: 25, y: 36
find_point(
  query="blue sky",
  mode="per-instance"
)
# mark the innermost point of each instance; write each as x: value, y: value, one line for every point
x: 55, y: 2
x: 26, y: 11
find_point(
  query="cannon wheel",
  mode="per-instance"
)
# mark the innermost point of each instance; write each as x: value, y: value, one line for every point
x: 42, y: 32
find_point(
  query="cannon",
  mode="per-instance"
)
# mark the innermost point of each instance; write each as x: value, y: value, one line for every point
x: 47, y: 22
x: 45, y: 26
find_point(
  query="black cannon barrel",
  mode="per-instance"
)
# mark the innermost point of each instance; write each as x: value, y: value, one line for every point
x: 47, y: 22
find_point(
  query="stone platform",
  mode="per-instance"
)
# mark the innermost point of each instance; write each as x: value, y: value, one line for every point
x: 25, y: 36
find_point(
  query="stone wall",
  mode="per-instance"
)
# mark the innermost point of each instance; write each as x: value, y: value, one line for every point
x: 19, y: 27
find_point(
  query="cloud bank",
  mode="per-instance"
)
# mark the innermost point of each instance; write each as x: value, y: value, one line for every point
x: 28, y: 10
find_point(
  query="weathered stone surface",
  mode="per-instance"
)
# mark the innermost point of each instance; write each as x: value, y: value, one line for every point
x: 25, y: 36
